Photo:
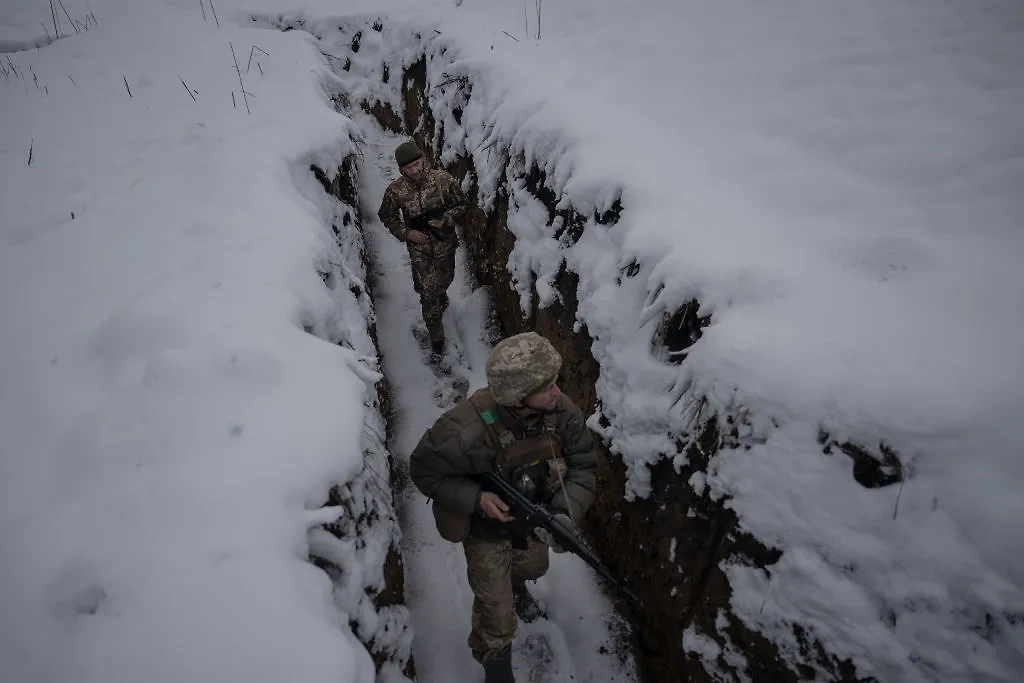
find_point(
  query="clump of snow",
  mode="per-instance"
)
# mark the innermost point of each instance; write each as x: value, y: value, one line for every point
x: 723, y: 664
x: 535, y: 258
x: 698, y: 481
x: 700, y: 644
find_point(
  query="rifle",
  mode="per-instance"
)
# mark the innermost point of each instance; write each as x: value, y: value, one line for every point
x: 422, y: 223
x: 529, y: 515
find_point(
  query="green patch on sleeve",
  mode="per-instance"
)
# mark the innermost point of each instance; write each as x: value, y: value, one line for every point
x: 489, y: 416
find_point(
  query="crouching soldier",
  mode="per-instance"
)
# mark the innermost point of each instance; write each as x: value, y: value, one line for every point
x: 523, y: 427
x: 422, y: 209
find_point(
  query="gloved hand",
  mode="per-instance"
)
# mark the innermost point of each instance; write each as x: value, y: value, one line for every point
x: 563, y: 521
x: 416, y: 237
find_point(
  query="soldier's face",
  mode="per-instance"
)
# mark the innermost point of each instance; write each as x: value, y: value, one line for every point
x: 413, y: 170
x: 546, y: 399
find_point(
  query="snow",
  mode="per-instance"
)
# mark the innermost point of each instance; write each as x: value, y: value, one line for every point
x: 169, y: 427
x: 836, y: 183
x: 701, y: 645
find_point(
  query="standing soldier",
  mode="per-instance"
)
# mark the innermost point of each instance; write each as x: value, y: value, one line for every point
x: 422, y: 209
x: 523, y: 427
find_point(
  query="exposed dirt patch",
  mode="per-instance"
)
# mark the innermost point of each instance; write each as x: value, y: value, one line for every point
x: 385, y: 116
x: 678, y: 332
x: 872, y: 468
x: 419, y: 121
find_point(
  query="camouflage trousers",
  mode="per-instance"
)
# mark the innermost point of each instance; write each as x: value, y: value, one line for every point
x: 433, y: 269
x: 492, y: 566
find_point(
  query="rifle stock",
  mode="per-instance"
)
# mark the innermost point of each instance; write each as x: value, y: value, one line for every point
x: 530, y: 515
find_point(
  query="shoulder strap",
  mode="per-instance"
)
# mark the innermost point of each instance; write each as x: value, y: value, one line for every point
x: 487, y: 408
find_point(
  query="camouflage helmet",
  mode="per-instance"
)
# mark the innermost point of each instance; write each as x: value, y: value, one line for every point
x: 407, y: 152
x: 521, y: 365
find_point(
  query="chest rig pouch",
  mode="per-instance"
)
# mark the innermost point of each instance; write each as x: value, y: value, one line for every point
x: 533, y: 462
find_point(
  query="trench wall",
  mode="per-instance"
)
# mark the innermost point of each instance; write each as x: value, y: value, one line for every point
x: 377, y: 613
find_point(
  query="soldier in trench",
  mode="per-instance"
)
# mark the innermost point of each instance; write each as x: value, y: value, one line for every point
x: 422, y: 209
x: 522, y: 426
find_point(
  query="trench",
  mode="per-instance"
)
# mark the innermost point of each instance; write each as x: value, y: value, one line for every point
x: 672, y: 546
x: 580, y: 642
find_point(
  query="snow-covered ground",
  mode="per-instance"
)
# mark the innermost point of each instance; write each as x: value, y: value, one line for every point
x: 169, y: 427
x: 838, y: 183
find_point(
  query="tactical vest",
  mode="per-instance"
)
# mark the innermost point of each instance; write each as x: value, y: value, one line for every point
x: 533, y: 463
x: 527, y: 462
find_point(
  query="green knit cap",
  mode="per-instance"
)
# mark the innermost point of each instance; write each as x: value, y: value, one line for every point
x: 407, y: 152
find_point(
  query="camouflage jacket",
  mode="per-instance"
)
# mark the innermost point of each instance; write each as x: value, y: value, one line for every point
x: 457, y: 446
x: 404, y: 200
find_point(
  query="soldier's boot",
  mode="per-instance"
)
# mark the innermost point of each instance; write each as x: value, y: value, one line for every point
x: 421, y: 335
x: 437, y: 353
x: 499, y: 669
x: 526, y: 607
